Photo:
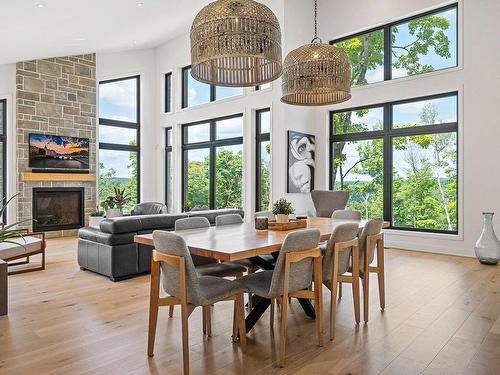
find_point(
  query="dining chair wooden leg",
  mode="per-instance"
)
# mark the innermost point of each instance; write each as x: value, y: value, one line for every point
x: 355, y: 283
x: 235, y: 325
x: 204, y: 319
x: 209, y: 321
x: 381, y: 272
x: 185, y: 338
x: 284, y: 308
x: 171, y: 311
x: 239, y: 304
x: 340, y: 290
x: 271, y: 312
x: 333, y: 293
x: 318, y: 298
x: 153, y: 306
x: 366, y: 294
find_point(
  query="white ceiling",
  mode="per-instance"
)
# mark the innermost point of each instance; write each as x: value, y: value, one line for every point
x: 70, y: 27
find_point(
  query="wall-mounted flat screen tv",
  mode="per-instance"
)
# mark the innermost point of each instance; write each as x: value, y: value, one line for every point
x: 57, y: 152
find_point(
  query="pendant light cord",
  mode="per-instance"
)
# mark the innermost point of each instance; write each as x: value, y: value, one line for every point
x: 316, y: 39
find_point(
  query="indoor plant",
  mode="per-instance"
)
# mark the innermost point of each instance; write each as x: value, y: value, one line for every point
x: 96, y: 217
x: 281, y: 209
x: 113, y: 204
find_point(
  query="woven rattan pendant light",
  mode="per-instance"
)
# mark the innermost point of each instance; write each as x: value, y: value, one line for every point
x: 316, y: 73
x: 235, y: 43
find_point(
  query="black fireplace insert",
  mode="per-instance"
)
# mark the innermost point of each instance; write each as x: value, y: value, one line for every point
x: 58, y: 208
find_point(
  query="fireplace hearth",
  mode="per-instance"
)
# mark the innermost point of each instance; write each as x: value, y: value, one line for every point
x: 58, y: 209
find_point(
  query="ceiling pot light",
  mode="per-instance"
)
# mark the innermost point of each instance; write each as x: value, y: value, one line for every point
x: 40, y: 6
x: 235, y: 43
x: 316, y: 73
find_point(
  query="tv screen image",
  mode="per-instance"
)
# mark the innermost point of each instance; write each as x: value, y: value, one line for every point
x: 58, y: 152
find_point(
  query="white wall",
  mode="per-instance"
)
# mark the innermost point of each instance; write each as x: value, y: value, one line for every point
x: 143, y: 63
x: 477, y: 79
x: 8, y: 91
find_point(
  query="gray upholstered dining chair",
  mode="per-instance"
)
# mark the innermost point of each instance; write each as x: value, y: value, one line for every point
x: 346, y: 214
x: 292, y: 277
x: 207, y: 266
x: 228, y: 219
x: 327, y: 201
x: 337, y: 252
x: 371, y: 239
x: 148, y: 208
x: 172, y: 263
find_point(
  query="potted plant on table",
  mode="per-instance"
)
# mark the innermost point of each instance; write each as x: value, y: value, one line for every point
x: 282, y: 209
x: 113, y: 204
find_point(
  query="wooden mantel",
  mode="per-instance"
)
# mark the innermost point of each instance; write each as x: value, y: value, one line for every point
x: 30, y: 176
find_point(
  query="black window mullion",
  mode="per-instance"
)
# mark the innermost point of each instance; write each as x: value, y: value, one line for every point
x: 185, y: 72
x: 387, y: 53
x: 168, y: 92
x: 213, y: 97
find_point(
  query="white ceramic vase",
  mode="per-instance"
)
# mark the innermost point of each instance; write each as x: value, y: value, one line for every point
x: 488, y: 246
x: 94, y: 221
x: 113, y: 212
x: 280, y: 218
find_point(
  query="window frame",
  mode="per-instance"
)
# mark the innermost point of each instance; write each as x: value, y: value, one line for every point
x: 168, y: 148
x: 259, y: 138
x: 125, y: 124
x: 387, y: 134
x: 3, y: 141
x: 386, y: 28
x: 168, y: 93
x: 212, y: 144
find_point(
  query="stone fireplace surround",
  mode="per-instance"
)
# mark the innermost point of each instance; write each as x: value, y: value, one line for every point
x: 55, y: 96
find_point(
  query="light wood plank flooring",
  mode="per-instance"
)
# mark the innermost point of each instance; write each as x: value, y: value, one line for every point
x: 442, y: 317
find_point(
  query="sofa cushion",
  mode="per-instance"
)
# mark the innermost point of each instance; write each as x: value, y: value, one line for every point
x: 127, y: 224
x: 21, y: 245
x: 95, y: 235
x: 149, y: 208
x: 212, y: 214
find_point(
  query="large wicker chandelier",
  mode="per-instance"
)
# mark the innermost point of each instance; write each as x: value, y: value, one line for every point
x: 235, y: 43
x: 316, y: 73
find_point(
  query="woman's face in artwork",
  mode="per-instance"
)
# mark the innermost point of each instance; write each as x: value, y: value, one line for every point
x: 300, y: 172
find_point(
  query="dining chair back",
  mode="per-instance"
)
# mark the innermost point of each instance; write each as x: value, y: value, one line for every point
x: 341, y: 233
x: 327, y: 201
x: 228, y: 219
x: 346, y: 214
x: 371, y: 228
x: 195, y: 223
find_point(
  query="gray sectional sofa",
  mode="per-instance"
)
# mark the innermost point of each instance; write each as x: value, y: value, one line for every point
x: 110, y: 250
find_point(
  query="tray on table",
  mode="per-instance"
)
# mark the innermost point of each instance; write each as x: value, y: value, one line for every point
x: 292, y: 224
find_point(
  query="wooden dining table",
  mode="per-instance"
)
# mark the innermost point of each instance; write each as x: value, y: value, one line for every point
x: 243, y: 241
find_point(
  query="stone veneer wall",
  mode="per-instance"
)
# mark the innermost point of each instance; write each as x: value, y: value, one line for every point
x: 55, y: 96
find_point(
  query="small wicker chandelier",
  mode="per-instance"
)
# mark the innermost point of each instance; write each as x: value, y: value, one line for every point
x: 235, y: 43
x: 316, y: 73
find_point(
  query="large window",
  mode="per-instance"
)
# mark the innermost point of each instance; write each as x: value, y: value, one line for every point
x: 119, y: 122
x: 196, y: 93
x: 169, y: 182
x: 3, y: 153
x: 399, y: 161
x: 213, y: 163
x: 263, y: 165
x: 416, y: 45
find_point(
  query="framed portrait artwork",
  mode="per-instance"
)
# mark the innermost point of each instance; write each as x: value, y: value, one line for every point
x: 301, y: 162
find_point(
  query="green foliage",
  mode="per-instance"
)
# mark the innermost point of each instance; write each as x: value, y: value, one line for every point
x: 282, y: 207
x: 7, y: 234
x: 108, y: 181
x: 118, y: 199
x: 228, y: 180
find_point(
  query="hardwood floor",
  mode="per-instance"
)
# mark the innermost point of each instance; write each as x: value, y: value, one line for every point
x: 442, y: 317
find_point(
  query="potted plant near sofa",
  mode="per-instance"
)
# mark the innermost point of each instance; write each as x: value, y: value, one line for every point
x: 113, y: 204
x: 96, y: 217
x: 282, y: 209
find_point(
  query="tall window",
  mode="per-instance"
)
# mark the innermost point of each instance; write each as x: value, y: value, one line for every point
x: 213, y: 163
x: 169, y: 184
x: 399, y: 161
x: 168, y: 92
x: 119, y: 122
x: 3, y: 153
x: 263, y: 153
x: 416, y: 45
x: 196, y: 93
